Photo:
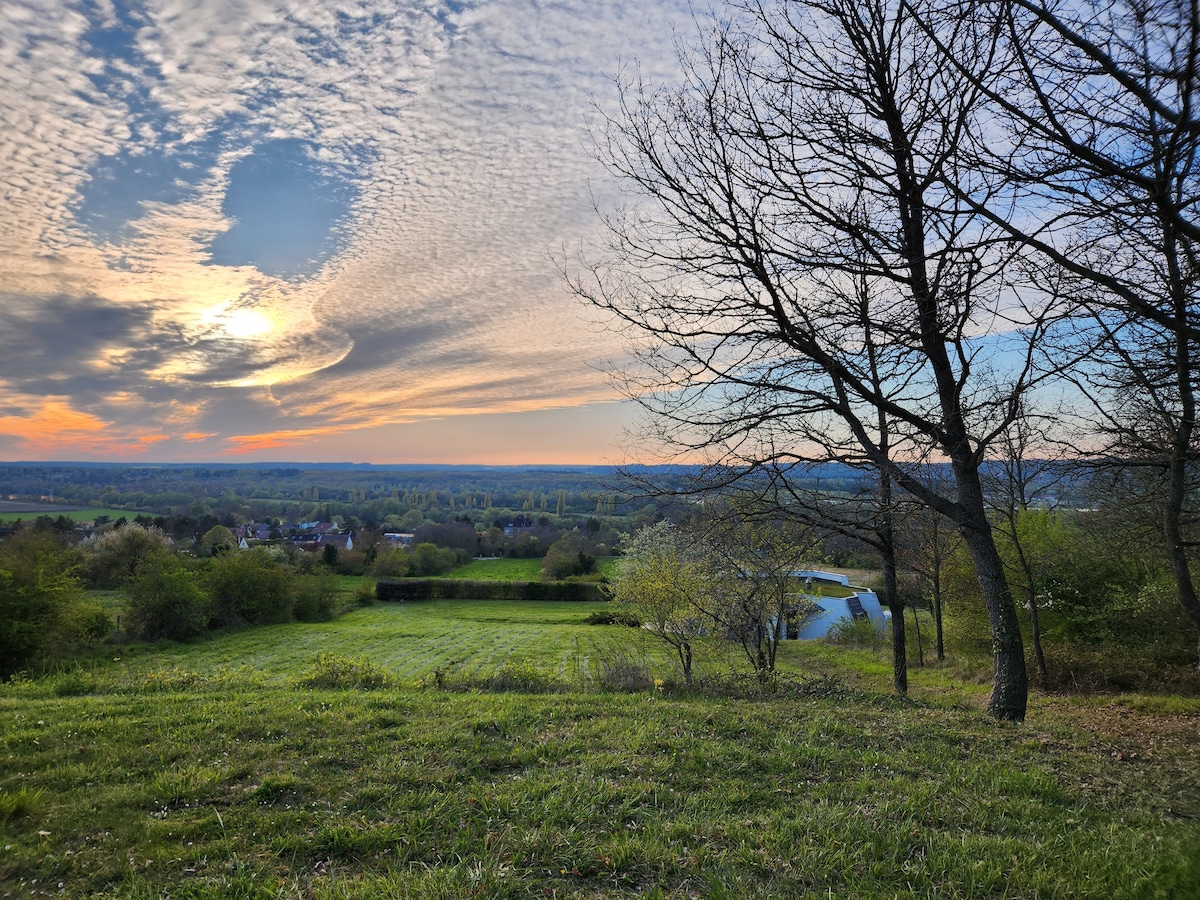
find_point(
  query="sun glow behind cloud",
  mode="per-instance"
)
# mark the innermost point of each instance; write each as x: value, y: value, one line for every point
x: 243, y: 227
x: 247, y: 324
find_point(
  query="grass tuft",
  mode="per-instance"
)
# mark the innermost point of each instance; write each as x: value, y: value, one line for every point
x: 20, y: 804
x: 341, y: 672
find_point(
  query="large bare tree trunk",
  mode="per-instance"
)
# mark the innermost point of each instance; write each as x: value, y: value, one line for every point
x: 1010, y: 687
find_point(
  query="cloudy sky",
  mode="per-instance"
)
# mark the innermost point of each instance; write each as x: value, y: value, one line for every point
x: 306, y: 229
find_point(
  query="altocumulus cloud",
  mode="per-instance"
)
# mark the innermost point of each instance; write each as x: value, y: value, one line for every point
x: 247, y: 223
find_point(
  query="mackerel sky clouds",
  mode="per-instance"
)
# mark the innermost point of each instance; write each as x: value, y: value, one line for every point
x: 308, y: 230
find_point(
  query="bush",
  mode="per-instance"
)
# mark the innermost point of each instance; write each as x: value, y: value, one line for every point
x: 43, y: 616
x: 610, y: 617
x: 429, y: 559
x: 391, y: 564
x: 351, y: 562
x: 342, y: 672
x: 315, y: 598
x: 573, y: 554
x: 248, y: 587
x: 166, y: 602
x: 113, y: 558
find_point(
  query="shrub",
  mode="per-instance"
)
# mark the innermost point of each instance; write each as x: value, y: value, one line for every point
x: 352, y: 562
x: 166, y: 602
x: 249, y: 587
x: 43, y: 616
x: 573, y: 554
x: 342, y: 672
x: 114, y: 557
x: 315, y: 598
x: 611, y: 617
x: 391, y: 564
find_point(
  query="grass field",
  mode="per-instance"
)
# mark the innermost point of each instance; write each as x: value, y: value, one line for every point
x: 210, y: 770
x: 504, y: 569
x: 77, y: 515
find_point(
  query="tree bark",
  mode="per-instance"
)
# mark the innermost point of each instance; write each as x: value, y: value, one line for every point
x: 1010, y: 686
x: 896, y: 607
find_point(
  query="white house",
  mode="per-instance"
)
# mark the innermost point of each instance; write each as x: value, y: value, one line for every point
x: 829, y: 611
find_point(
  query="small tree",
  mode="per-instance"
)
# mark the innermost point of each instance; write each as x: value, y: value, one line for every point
x: 663, y: 583
x: 329, y: 556
x: 393, y: 563
x: 572, y: 554
x: 217, y: 540
x: 753, y: 563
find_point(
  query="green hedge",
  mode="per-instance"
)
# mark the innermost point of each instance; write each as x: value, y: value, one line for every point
x: 399, y: 590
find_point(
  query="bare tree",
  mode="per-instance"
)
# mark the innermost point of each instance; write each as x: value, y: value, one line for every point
x: 1102, y: 98
x: 807, y: 149
x: 927, y: 543
x: 753, y: 562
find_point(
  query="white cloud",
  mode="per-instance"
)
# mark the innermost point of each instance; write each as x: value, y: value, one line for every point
x: 463, y: 131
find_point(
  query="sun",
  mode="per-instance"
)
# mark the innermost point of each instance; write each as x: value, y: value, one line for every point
x: 245, y: 323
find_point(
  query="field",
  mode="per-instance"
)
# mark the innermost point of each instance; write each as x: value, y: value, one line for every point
x: 502, y: 569
x: 505, y: 569
x: 27, y: 512
x: 232, y: 768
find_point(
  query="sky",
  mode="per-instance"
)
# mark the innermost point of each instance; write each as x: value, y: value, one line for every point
x: 311, y: 230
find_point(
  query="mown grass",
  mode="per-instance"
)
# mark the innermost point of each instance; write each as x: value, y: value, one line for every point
x: 211, y: 770
x: 76, y: 515
x: 500, y: 569
x: 505, y: 569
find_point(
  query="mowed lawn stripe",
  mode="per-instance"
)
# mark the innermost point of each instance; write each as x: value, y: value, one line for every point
x: 409, y: 639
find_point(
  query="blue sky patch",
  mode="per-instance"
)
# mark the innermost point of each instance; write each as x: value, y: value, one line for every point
x: 286, y: 207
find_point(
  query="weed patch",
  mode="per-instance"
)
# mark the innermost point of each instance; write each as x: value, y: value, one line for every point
x: 333, y: 671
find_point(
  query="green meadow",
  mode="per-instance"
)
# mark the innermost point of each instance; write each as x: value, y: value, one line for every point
x: 76, y: 515
x: 469, y: 749
x: 506, y: 569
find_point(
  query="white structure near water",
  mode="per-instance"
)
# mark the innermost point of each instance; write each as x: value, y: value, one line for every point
x: 829, y: 611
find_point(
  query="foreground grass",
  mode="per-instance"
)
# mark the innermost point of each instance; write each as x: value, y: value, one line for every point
x: 188, y: 774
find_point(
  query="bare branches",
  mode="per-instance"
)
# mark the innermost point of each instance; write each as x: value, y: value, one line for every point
x: 804, y: 269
